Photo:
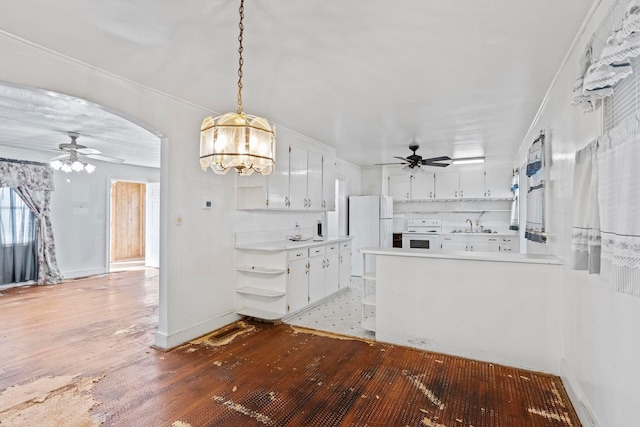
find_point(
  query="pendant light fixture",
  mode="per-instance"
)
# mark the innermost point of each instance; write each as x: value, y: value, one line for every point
x: 238, y: 141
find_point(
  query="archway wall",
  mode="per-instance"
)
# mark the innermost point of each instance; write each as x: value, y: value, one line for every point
x: 196, y: 263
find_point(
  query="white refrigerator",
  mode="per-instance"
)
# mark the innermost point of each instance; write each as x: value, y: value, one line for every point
x: 370, y: 225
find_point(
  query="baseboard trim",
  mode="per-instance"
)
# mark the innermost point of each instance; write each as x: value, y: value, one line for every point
x: 576, y: 395
x: 168, y: 341
x: 77, y: 274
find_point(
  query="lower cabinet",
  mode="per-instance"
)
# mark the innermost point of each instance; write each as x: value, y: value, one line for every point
x: 479, y: 243
x: 271, y: 283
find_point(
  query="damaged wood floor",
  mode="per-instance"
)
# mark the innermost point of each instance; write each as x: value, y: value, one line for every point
x: 79, y: 354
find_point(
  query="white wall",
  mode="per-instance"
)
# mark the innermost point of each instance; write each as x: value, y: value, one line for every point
x: 601, y: 361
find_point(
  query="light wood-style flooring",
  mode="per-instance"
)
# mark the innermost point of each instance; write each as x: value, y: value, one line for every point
x: 80, y: 354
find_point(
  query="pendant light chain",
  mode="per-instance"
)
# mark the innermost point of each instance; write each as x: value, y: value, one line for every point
x: 240, y: 61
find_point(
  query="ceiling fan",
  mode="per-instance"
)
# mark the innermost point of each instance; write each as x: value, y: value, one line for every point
x: 416, y: 161
x: 70, y: 160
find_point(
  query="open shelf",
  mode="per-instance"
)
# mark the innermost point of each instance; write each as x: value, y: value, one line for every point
x: 260, y: 270
x: 248, y: 290
x: 369, y: 300
x: 260, y: 314
x: 369, y: 324
x: 369, y: 276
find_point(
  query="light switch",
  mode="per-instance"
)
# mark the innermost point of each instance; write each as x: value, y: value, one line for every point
x: 207, y: 204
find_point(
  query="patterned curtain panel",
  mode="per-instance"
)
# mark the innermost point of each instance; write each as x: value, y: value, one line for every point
x: 535, y: 226
x: 619, y: 200
x: 18, y: 247
x: 606, y: 58
x: 34, y: 182
x: 514, y: 223
x: 585, y: 231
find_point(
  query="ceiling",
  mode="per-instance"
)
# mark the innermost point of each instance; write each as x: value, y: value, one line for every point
x: 462, y: 77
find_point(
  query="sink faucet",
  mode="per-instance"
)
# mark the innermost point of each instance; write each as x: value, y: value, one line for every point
x: 470, y: 224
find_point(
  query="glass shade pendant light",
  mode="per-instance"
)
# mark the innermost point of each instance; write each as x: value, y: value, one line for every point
x: 72, y: 164
x: 238, y: 141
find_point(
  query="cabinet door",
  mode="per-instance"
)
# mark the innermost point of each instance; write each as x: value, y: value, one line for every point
x: 497, y: 183
x: 329, y: 183
x: 471, y: 184
x: 332, y: 273
x: 447, y: 185
x: 314, y: 181
x: 297, y: 178
x: 278, y: 180
x: 485, y: 244
x: 400, y: 187
x: 298, y: 284
x: 454, y: 244
x: 422, y: 186
x: 316, y: 278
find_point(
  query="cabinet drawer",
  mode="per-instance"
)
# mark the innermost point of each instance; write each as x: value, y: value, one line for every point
x: 345, y: 247
x: 298, y: 254
x: 332, y: 248
x: 507, y: 240
x: 317, y: 250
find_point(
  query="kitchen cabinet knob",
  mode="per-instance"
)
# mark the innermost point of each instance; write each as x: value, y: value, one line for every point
x: 489, y: 193
x: 455, y: 193
x: 461, y: 193
x: 431, y: 194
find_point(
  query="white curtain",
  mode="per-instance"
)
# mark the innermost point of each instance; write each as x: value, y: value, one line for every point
x: 585, y: 231
x: 605, y: 60
x: 619, y: 200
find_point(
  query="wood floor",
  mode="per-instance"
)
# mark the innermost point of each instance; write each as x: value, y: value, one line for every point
x: 80, y: 354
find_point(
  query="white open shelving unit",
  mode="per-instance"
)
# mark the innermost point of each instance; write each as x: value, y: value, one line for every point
x: 368, y: 294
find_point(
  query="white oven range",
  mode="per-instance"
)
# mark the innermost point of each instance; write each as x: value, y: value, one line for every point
x: 422, y: 234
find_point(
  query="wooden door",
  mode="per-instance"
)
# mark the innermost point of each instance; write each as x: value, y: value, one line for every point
x: 127, y: 221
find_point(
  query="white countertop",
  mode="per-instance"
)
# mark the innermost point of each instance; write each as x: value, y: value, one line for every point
x: 284, y: 245
x: 481, y: 234
x: 464, y: 255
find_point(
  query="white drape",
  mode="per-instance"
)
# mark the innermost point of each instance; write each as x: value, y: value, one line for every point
x: 619, y: 201
x: 605, y: 60
x: 585, y: 232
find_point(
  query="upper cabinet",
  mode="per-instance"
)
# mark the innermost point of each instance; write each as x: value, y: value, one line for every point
x: 423, y: 186
x: 302, y: 180
x: 471, y: 184
x: 400, y: 187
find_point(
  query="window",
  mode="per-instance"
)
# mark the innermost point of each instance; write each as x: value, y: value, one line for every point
x: 17, y: 239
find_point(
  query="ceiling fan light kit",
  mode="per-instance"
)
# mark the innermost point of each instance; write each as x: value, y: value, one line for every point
x: 70, y: 161
x: 238, y: 141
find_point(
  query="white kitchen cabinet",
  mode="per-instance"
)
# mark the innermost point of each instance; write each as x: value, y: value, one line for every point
x: 272, y: 281
x: 332, y: 269
x: 447, y: 185
x: 314, y: 181
x: 479, y: 242
x: 278, y: 180
x: 450, y: 244
x: 471, y: 184
x: 316, y: 273
x: 345, y: 264
x: 297, y: 178
x: 298, y: 287
x: 497, y: 183
x: 423, y: 186
x: 329, y: 183
x: 400, y: 187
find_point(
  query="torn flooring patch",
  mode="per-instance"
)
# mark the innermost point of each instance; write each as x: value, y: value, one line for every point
x: 62, y: 400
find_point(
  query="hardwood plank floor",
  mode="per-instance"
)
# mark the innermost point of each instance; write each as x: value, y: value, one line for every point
x: 79, y: 354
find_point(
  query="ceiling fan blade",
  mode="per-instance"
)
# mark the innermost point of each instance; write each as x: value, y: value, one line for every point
x: 435, y: 159
x: 440, y: 165
x: 61, y: 156
x: 88, y: 150
x: 105, y: 158
x: 401, y: 158
x: 395, y: 163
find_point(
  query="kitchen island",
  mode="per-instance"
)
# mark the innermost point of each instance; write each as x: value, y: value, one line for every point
x: 496, y: 307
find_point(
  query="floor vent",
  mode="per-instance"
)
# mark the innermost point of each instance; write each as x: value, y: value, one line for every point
x: 225, y: 334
